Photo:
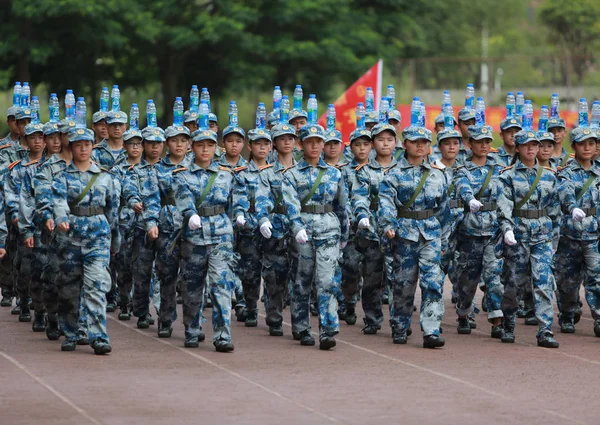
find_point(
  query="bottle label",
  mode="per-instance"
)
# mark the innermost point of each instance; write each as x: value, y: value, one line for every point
x: 297, y: 103
x: 178, y: 118
x: 449, y: 122
x: 116, y: 104
x: 469, y: 100
x: 330, y: 123
x: 543, y: 124
x: 194, y: 104
x: 554, y: 111
x: 510, y: 110
x: 24, y: 100
x: 134, y: 123
x: 519, y: 110
x: 370, y: 104
x: 70, y: 111
x: 233, y: 119
x: 16, y: 99
x: 151, y: 118
x: 414, y: 117
x: 583, y: 119
x: 312, y: 116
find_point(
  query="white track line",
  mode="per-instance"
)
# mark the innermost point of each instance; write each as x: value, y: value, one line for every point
x: 50, y: 388
x: 230, y: 372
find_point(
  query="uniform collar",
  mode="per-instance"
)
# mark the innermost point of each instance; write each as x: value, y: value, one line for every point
x: 303, y: 164
x: 94, y: 168
x: 214, y: 167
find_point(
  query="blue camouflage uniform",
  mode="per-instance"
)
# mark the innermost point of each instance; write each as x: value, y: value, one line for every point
x: 420, y: 238
x: 324, y: 217
x: 208, y: 251
x: 85, y: 248
x: 577, y: 258
x: 102, y: 153
x: 477, y: 260
x: 500, y: 155
x: 562, y: 160
x: 533, y: 224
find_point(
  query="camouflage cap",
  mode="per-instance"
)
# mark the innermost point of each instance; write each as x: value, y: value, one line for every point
x: 415, y: 133
x: 23, y: 114
x: 312, y: 130
x: 190, y: 116
x: 281, y: 129
x: 448, y: 134
x: 358, y: 133
x: 394, y: 114
x: 176, y: 130
x: 273, y: 118
x: 381, y: 127
x: 333, y: 136
x: 12, y: 111
x: 258, y: 134
x: 545, y: 136
x: 233, y: 129
x: 98, y: 116
x: 466, y: 114
x: 480, y: 132
x: 116, y: 117
x: 33, y: 128
x: 79, y: 134
x: 556, y: 122
x: 154, y: 134
x: 507, y: 123
x: 297, y: 113
x: 525, y: 136
x: 131, y: 133
x: 371, y: 117
x: 199, y: 135
x: 66, y: 125
x: 581, y: 134
x: 50, y: 128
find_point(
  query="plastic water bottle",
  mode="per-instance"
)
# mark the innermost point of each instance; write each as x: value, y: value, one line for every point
x: 298, y: 97
x: 80, y: 113
x: 70, y: 104
x: 422, y: 115
x: 469, y: 96
x: 446, y: 99
x: 583, y: 112
x: 233, y: 113
x: 415, y: 111
x: 391, y: 95
x: 205, y: 95
x: 543, y: 122
x: 261, y: 116
x: 35, y: 110
x: 17, y: 94
x: 370, y: 100
x: 528, y: 115
x: 284, y: 110
x: 178, y: 111
x: 595, y: 119
x: 25, y: 94
x: 203, y: 112
x: 448, y: 116
x: 331, y: 116
x: 104, y: 99
x: 150, y: 113
x: 53, y: 107
x: 115, y: 99
x: 480, y: 112
x: 194, y: 98
x: 134, y: 117
x: 511, y: 103
x: 520, y: 101
x: 554, y: 106
x: 383, y: 109
x: 360, y: 115
x: 277, y: 96
x: 313, y: 108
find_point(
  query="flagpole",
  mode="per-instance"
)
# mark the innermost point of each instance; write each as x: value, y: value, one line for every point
x: 379, y: 83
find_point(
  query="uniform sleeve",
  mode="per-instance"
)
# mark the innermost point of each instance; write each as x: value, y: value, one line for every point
x: 442, y: 210
x: 463, y: 186
x: 340, y: 208
x: 3, y: 228
x: 360, y: 190
x: 566, y: 192
x: 239, y: 196
x: 59, y: 196
x: 554, y: 212
x: 151, y: 200
x: 265, y: 201
x: 44, y: 202
x: 131, y: 188
x: 111, y: 211
x: 26, y: 208
x: 505, y: 204
x: 12, y: 191
x: 386, y: 215
x: 292, y: 202
x: 184, y: 198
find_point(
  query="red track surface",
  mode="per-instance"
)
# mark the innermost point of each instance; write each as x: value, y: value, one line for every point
x: 269, y: 380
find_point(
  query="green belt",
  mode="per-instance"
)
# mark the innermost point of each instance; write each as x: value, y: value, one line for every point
x: 456, y: 203
x: 317, y: 209
x: 167, y: 202
x: 280, y: 209
x: 374, y: 206
x: 530, y: 213
x: 87, y: 212
x: 416, y: 215
x: 211, y: 211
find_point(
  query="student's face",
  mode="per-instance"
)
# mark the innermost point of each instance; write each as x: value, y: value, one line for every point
x: 101, y: 129
x: 298, y: 123
x: 204, y: 150
x: 584, y: 150
x: 53, y: 143
x: 233, y: 143
x: 481, y: 148
x: 361, y: 148
x: 12, y: 125
x: 449, y: 148
x: 439, y: 127
x: 134, y: 148
x: 312, y: 147
x: 332, y: 150
x: 508, y: 136
x: 397, y: 125
x: 559, y: 134
x: 384, y: 143
x: 545, y: 152
x: 417, y: 148
x: 21, y: 126
x: 212, y: 125
x: 178, y: 145
x: 116, y: 130
x: 285, y: 144
x: 82, y: 150
x: 64, y: 140
x: 370, y: 125
x: 152, y: 150
x: 464, y: 127
x: 528, y: 151
x: 35, y: 142
x: 597, y: 154
x: 192, y: 126
x: 260, y: 149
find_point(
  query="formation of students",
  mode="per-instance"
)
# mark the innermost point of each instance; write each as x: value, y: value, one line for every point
x: 105, y: 219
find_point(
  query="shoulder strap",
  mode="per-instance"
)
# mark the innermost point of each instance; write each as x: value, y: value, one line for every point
x: 207, y: 188
x: 398, y: 154
x: 314, y: 187
x: 417, y: 191
x: 534, y: 186
x: 564, y: 161
x: 585, y: 187
x: 486, y: 183
x: 451, y: 189
x: 85, y: 191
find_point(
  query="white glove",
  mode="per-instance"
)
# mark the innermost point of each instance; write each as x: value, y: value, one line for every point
x: 194, y: 223
x: 509, y: 238
x: 363, y: 223
x: 577, y: 214
x: 301, y: 236
x: 475, y: 205
x: 265, y: 229
x: 240, y: 220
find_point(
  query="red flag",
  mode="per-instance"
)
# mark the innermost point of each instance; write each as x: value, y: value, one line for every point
x: 345, y: 105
